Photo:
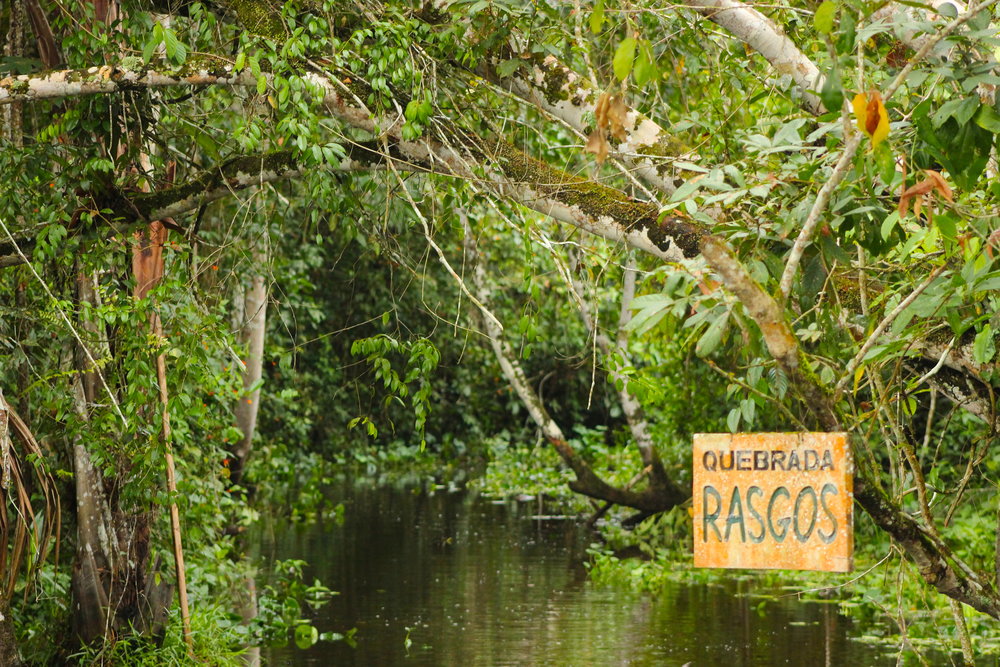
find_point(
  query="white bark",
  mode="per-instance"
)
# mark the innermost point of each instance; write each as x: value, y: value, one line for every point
x: 749, y: 25
x: 465, y: 161
x: 252, y: 335
x: 648, y: 149
x: 761, y: 307
x: 110, y: 79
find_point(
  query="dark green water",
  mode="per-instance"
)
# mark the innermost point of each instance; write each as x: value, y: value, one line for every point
x: 474, y: 582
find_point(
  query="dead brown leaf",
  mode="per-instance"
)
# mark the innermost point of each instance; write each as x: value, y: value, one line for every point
x: 939, y: 183
x: 601, y: 110
x: 617, y: 113
x: 933, y: 183
x: 597, y: 144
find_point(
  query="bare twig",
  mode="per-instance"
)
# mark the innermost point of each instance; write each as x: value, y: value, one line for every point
x: 882, y: 326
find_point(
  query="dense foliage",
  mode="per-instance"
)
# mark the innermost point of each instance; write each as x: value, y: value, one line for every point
x: 780, y: 222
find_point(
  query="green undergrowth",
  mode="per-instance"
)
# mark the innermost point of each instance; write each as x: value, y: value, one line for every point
x: 884, y: 597
x: 214, y: 631
x: 295, y: 483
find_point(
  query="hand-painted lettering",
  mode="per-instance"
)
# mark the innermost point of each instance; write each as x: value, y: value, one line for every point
x: 709, y: 518
x: 806, y: 492
x: 782, y: 523
x: 831, y: 489
x: 806, y: 460
x: 736, y: 515
x: 741, y: 520
x: 756, y: 539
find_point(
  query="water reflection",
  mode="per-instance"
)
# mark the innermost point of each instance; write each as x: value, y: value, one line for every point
x: 471, y: 582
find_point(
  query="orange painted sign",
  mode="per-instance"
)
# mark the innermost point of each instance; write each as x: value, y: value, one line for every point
x: 773, y: 501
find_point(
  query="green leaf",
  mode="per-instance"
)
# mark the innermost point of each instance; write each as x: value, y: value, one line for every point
x: 988, y: 119
x: 984, y: 347
x: 624, y: 57
x: 412, y: 107
x: 261, y: 84
x: 306, y: 636
x: 945, y: 223
x: 832, y: 94
x: 149, y: 49
x: 967, y: 109
x: 824, y: 17
x: 733, y: 420
x: 710, y: 340
x: 645, y: 64
x: 508, y: 67
x: 847, y: 33
x: 888, y: 224
x: 597, y: 17
x: 176, y: 51
x: 945, y: 111
x: 885, y: 160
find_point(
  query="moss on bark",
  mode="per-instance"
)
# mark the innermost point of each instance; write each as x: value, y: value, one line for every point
x: 596, y: 200
x: 259, y: 17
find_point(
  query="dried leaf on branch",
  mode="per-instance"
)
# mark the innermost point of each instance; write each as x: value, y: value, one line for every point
x: 933, y: 183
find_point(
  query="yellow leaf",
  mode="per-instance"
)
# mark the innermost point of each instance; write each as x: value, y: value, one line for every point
x: 859, y: 103
x: 871, y: 115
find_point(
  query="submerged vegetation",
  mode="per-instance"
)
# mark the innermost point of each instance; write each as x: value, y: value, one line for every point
x: 248, y: 244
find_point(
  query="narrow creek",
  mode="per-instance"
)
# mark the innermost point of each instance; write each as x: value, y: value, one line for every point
x: 452, y: 578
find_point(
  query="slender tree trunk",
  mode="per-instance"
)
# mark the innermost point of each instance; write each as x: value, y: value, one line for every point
x: 93, y: 516
x: 631, y: 407
x: 251, y: 335
x: 248, y: 612
x: 112, y: 589
x: 651, y: 500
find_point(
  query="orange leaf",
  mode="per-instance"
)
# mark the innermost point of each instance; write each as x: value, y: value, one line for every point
x: 914, y: 192
x: 872, y: 114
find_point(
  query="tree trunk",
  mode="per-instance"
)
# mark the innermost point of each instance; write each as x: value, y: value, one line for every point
x: 90, y: 598
x: 111, y: 591
x: 8, y: 643
x: 252, y: 335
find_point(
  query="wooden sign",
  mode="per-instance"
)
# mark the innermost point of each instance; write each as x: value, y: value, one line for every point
x: 773, y: 501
